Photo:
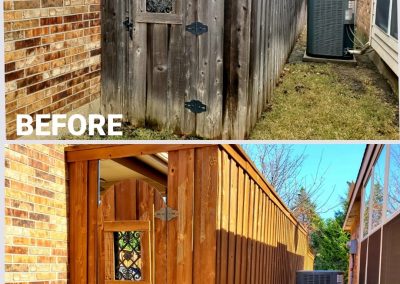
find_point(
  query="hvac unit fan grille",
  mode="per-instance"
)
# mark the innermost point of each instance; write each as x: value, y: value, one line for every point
x: 325, y: 27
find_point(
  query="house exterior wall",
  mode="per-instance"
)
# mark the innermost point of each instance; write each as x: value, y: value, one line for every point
x: 377, y: 230
x: 52, y: 56
x: 36, y: 214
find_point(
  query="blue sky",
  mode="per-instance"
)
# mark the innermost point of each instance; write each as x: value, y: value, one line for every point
x: 341, y: 163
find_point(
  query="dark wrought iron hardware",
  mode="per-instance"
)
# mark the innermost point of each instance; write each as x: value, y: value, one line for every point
x: 128, y: 26
x: 166, y: 214
x: 196, y: 106
x: 197, y: 28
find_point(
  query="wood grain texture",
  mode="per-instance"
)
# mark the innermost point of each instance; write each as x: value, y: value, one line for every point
x: 232, y: 69
x: 78, y: 222
x: 205, y: 215
x: 180, y: 234
x: 258, y: 242
x: 93, y: 199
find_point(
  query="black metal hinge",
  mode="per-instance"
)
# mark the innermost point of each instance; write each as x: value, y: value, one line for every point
x: 196, y: 106
x: 128, y: 27
x: 197, y: 28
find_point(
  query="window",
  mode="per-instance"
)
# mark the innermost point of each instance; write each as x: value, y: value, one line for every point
x: 382, y: 14
x: 393, y: 24
x: 378, y: 190
x: 367, y: 193
x: 159, y: 6
x: 128, y: 262
x: 160, y: 12
x: 393, y: 203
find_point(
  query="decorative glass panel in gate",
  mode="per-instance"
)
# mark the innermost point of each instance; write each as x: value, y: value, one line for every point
x: 123, y: 240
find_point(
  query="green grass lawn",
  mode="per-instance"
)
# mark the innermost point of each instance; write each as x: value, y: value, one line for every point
x: 330, y: 101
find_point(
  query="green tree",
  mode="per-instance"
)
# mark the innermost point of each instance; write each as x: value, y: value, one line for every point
x: 329, y: 242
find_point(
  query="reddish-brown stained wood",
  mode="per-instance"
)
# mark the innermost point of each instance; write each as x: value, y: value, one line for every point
x: 245, y: 239
x: 106, y: 212
x: 240, y: 225
x: 125, y: 197
x: 160, y: 243
x: 78, y: 222
x: 145, y: 203
x: 93, y: 196
x: 251, y: 229
x: 180, y: 197
x: 232, y: 221
x: 205, y: 215
x: 256, y: 228
x: 231, y: 226
x: 219, y: 218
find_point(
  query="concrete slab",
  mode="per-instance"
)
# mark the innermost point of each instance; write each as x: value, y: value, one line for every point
x: 307, y: 58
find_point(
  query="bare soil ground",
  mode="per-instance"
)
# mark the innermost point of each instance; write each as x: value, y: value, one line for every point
x: 325, y: 101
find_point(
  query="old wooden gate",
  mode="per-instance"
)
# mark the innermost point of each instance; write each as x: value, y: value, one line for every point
x: 163, y: 63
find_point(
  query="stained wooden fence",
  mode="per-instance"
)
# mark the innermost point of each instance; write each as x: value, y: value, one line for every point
x: 213, y: 84
x: 231, y: 226
x: 258, y: 240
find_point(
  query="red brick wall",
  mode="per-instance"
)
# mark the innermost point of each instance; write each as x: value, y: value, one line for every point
x: 363, y: 18
x: 36, y: 214
x: 52, y: 56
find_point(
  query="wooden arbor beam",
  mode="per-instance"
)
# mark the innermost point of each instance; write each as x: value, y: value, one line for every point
x: 145, y: 170
x: 102, y: 152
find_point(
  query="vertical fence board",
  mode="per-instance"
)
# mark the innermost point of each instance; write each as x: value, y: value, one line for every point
x: 245, y: 239
x: 78, y: 227
x: 225, y: 217
x: 135, y: 97
x: 157, y: 76
x: 145, y: 203
x: 160, y: 243
x: 258, y: 238
x: 205, y: 215
x: 239, y: 226
x: 232, y: 221
x: 93, y: 192
x: 180, y: 197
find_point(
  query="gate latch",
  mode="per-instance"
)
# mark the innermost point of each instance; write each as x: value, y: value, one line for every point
x: 196, y: 106
x: 197, y: 28
x: 128, y: 26
x: 166, y: 214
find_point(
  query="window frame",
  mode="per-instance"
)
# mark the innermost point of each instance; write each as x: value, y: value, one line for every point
x: 388, y: 33
x: 370, y: 178
x: 174, y: 18
x: 396, y: 212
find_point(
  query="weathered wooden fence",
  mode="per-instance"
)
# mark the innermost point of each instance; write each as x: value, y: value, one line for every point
x: 206, y: 68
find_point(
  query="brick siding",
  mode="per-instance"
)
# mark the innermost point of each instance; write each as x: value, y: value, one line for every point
x: 52, y: 56
x: 363, y: 20
x: 36, y: 214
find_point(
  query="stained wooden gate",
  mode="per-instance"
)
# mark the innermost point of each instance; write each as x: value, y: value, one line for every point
x: 163, y: 63
x: 132, y: 240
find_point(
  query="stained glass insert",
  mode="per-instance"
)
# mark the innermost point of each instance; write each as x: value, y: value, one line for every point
x: 128, y: 256
x: 159, y: 6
